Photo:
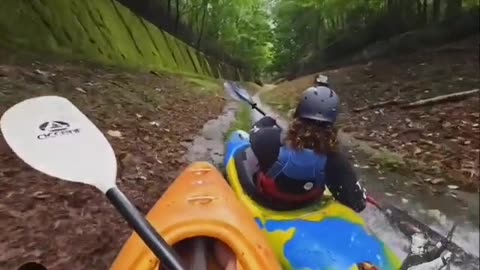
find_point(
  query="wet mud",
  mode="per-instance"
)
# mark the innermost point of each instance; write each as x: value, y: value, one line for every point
x: 208, y: 145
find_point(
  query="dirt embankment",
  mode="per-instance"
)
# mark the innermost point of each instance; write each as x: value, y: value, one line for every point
x: 441, y: 140
x: 68, y: 226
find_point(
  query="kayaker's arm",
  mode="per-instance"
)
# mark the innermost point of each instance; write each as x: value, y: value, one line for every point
x: 265, y: 121
x: 343, y: 183
x: 265, y: 143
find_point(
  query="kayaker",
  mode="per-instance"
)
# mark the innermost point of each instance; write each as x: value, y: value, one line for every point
x: 294, y: 167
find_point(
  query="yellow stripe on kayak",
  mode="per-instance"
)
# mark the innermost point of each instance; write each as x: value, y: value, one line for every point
x: 316, y: 213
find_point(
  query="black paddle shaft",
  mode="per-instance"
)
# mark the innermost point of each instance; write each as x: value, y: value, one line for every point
x: 254, y: 106
x: 143, y: 228
x: 245, y: 97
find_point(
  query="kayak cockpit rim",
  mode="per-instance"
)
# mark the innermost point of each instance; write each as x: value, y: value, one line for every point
x: 205, y: 253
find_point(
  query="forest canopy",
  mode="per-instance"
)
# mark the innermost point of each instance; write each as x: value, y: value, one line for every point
x: 290, y: 35
x: 311, y: 31
x: 238, y: 30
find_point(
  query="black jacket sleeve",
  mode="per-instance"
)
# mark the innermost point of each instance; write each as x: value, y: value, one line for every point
x: 265, y: 121
x: 343, y: 183
x: 265, y: 142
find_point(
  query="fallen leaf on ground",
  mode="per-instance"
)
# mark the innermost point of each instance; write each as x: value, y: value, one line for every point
x: 79, y: 89
x: 43, y: 73
x: 437, y: 181
x: 114, y: 133
x: 41, y: 195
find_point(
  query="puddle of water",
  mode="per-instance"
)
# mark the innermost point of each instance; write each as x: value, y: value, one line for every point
x: 439, y: 212
x: 379, y: 224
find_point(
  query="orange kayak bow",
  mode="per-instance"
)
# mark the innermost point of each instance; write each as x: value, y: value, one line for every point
x: 201, y: 218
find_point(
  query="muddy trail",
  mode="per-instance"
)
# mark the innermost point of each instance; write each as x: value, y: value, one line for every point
x: 149, y: 118
x: 208, y: 145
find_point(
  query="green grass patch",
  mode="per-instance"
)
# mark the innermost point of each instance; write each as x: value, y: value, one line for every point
x: 279, y: 102
x: 284, y: 96
x: 251, y: 87
x: 242, y: 120
x: 205, y: 84
x: 388, y: 160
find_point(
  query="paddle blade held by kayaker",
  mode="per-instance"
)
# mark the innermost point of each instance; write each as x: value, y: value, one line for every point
x: 236, y: 92
x: 240, y: 94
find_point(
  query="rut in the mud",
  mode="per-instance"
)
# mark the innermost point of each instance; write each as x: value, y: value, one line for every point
x: 208, y: 145
x: 147, y: 118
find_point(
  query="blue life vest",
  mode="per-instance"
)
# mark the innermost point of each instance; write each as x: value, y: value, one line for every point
x: 305, y: 166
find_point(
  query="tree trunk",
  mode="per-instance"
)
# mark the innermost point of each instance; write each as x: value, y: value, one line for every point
x: 333, y: 23
x: 389, y: 5
x: 202, y: 25
x: 453, y: 9
x: 436, y: 11
x: 177, y: 18
x: 419, y: 12
x: 425, y: 12
x: 169, y: 9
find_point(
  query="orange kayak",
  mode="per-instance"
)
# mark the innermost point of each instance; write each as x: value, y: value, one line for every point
x: 201, y: 218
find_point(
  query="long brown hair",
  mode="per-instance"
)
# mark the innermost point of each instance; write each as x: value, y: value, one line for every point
x: 308, y: 134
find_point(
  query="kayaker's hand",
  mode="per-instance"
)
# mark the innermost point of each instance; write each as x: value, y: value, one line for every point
x: 265, y: 121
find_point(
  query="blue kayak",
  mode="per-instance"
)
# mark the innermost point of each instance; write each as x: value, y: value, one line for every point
x: 326, y: 235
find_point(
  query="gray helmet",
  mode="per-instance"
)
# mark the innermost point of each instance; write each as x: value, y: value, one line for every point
x: 318, y: 103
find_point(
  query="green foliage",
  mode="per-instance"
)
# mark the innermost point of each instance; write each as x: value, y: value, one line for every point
x: 241, y: 27
x: 242, y: 120
x: 311, y: 31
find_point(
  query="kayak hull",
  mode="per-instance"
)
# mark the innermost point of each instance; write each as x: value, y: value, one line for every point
x: 199, y: 203
x: 326, y: 235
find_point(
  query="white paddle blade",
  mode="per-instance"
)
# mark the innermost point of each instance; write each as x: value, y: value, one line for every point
x: 237, y: 93
x: 228, y: 88
x: 50, y: 134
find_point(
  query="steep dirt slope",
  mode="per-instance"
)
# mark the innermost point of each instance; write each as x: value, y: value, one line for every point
x: 441, y: 140
x: 68, y: 226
